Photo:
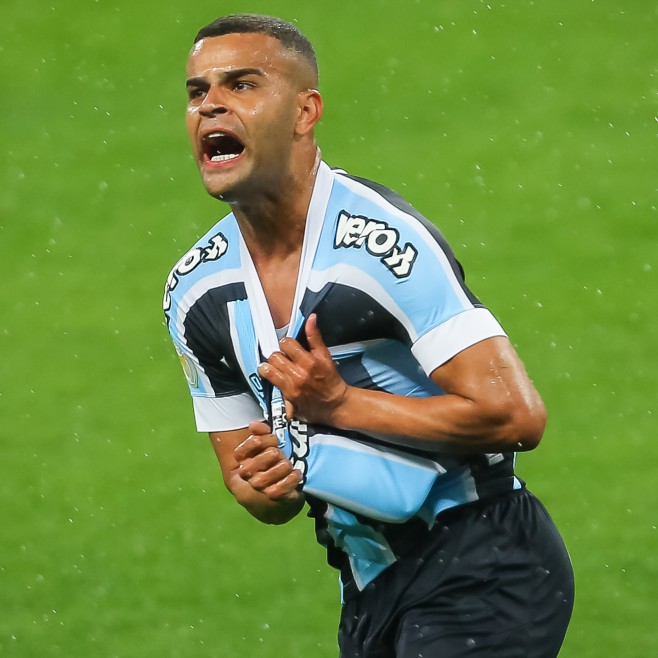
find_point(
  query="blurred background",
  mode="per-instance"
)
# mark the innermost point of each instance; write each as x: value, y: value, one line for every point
x: 525, y: 130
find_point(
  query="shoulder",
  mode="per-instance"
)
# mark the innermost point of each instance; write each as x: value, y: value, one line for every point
x: 373, y: 219
x: 216, y: 250
x: 379, y: 198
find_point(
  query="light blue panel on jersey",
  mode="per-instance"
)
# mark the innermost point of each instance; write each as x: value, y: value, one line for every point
x: 392, y: 366
x: 374, y: 241
x: 383, y: 484
x: 245, y: 345
x: 453, y: 489
x: 369, y: 552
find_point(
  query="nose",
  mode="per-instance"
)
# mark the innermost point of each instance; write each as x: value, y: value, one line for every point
x: 213, y: 103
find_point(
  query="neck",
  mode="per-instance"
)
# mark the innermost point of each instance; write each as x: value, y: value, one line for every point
x: 272, y: 222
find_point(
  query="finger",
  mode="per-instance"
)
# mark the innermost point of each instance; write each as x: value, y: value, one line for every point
x: 296, y: 354
x: 258, y: 427
x: 290, y: 409
x: 254, y: 445
x: 271, y: 477
x: 284, y: 487
x: 284, y: 365
x: 281, y: 372
x: 261, y: 463
x: 272, y: 374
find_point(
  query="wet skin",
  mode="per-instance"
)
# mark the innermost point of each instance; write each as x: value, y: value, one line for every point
x: 250, y: 87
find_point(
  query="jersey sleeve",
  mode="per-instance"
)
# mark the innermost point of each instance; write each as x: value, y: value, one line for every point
x: 220, y: 401
x: 196, y: 306
x: 394, y: 255
x: 442, y: 315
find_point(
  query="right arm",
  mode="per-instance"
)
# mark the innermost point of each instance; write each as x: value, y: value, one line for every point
x: 258, y: 474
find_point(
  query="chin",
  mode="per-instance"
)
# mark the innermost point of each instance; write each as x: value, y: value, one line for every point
x: 224, y: 185
x: 218, y: 190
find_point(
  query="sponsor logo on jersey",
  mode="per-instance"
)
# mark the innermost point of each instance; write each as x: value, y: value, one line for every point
x: 298, y: 432
x: 216, y: 248
x: 379, y: 239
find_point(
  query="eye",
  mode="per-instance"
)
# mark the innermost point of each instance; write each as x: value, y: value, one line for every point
x: 242, y: 85
x: 194, y: 93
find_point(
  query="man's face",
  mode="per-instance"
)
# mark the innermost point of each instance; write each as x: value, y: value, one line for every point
x: 241, y: 112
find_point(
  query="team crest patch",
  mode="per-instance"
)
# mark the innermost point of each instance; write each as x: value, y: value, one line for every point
x: 189, y: 368
x: 379, y: 239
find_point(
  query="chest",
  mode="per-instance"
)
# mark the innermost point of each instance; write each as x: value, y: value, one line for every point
x: 279, y: 281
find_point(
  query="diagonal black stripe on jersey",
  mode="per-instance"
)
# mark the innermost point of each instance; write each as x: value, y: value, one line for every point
x: 348, y: 315
x: 208, y: 336
x: 402, y: 204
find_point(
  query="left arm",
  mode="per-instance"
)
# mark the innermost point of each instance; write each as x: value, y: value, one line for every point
x: 490, y: 404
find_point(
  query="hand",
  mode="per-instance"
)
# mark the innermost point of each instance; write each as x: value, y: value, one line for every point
x: 308, y: 379
x: 264, y: 467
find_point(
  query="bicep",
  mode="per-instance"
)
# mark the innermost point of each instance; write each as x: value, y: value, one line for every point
x: 492, y: 377
x: 490, y: 368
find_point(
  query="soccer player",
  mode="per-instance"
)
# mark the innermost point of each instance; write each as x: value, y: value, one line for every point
x: 337, y: 359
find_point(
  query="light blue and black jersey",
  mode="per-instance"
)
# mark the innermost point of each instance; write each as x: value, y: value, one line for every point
x: 392, y: 306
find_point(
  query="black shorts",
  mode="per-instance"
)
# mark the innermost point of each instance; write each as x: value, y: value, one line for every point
x: 492, y: 579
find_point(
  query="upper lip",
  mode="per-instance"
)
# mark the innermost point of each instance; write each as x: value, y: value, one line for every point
x: 206, y: 132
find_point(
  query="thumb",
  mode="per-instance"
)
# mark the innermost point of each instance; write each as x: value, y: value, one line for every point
x: 313, y: 334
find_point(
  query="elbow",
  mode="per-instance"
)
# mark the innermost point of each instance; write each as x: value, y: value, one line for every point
x: 525, y: 426
x: 517, y: 425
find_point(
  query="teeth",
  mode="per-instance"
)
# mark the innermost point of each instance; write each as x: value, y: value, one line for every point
x: 214, y: 135
x: 224, y: 158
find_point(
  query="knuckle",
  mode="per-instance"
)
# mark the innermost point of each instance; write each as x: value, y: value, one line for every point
x: 277, y: 491
x: 272, y: 452
x: 254, y: 442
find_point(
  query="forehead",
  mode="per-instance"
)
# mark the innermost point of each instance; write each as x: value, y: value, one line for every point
x: 237, y: 51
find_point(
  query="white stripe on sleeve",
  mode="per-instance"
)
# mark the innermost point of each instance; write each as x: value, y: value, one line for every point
x: 454, y: 335
x: 227, y: 413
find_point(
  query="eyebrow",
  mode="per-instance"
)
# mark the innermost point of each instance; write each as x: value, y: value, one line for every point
x: 227, y: 76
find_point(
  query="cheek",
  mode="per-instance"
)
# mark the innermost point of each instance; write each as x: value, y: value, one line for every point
x: 276, y: 118
x: 259, y: 109
x: 192, y: 122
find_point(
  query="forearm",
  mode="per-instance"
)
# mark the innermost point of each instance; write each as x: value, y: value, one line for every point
x: 489, y: 404
x: 452, y: 422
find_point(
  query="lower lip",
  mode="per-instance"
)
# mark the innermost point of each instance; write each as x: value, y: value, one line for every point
x: 222, y: 164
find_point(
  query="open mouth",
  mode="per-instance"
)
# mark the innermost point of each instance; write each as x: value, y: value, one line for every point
x: 221, y: 147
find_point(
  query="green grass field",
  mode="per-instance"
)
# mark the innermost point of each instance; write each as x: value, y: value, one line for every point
x: 526, y: 130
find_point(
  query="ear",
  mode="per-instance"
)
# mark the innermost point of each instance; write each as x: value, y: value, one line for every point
x: 309, y: 111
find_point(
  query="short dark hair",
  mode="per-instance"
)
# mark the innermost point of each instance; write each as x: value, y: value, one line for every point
x: 286, y: 33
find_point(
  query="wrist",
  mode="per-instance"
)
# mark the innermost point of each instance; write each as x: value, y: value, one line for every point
x: 278, y: 511
x: 342, y: 416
